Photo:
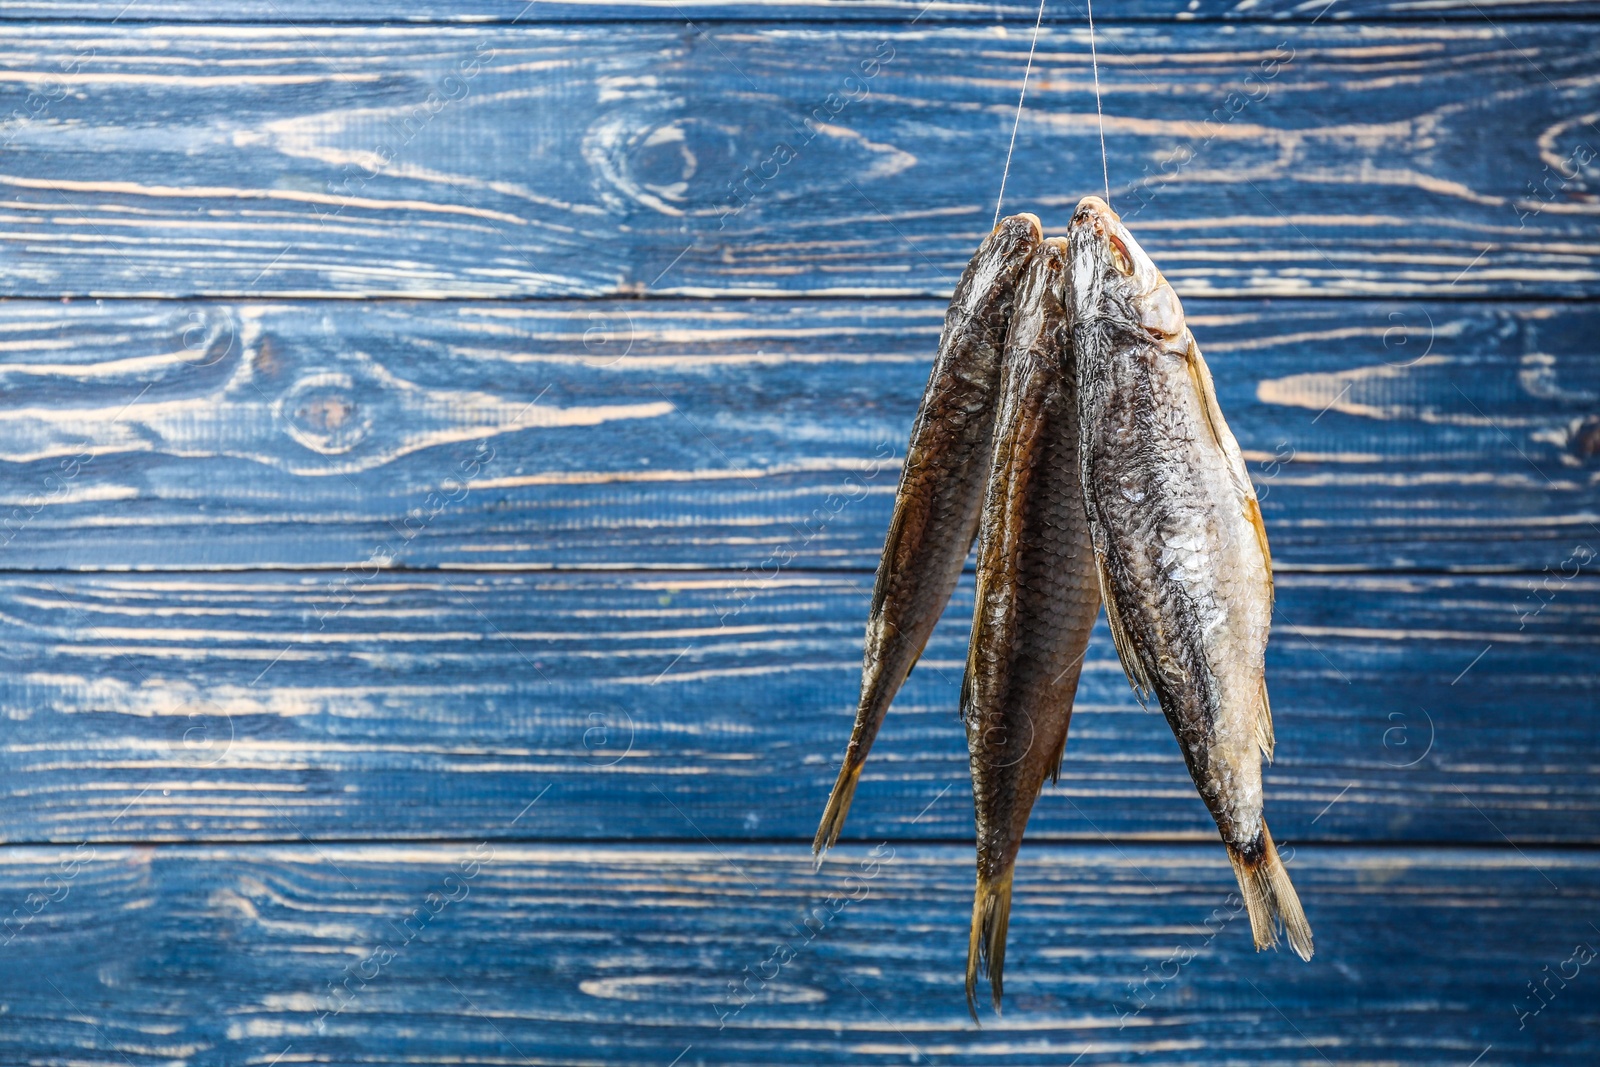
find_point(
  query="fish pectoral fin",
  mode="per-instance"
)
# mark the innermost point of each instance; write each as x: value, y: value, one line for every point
x: 1132, y: 666
x: 1264, y: 735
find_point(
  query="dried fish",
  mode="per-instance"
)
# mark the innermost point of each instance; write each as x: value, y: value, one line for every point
x: 1036, y: 601
x: 1180, y: 545
x: 941, y: 486
x: 1071, y: 412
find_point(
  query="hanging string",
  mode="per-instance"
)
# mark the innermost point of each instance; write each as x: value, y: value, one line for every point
x: 1094, y: 59
x: 1099, y: 109
x: 1018, y: 120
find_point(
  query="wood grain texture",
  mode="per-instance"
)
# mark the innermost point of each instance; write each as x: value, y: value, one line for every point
x: 1385, y: 159
x: 484, y: 953
x: 353, y: 706
x: 656, y: 521
x: 522, y: 12
x: 728, y: 434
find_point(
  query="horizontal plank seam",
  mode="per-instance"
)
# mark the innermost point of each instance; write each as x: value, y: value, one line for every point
x: 647, y: 16
x: 690, y: 571
x: 775, y: 300
x: 1056, y: 842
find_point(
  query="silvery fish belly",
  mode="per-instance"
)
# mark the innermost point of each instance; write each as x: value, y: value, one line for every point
x: 1179, y: 544
x: 1036, y: 601
x: 941, y: 485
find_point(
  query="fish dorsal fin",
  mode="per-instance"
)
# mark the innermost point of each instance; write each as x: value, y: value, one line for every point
x: 1200, y: 375
x: 1132, y: 666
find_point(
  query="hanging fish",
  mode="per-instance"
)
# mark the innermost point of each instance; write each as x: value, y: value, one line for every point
x: 1036, y: 601
x: 1179, y: 544
x: 941, y: 486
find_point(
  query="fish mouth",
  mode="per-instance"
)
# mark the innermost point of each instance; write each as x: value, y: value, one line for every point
x: 1095, y: 224
x: 1093, y: 228
x: 1111, y: 274
x: 1055, y: 253
x: 1021, y: 232
x: 1093, y: 211
x: 1025, y: 221
x: 1055, y: 259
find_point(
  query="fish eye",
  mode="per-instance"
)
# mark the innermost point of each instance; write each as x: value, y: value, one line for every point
x: 1120, y: 257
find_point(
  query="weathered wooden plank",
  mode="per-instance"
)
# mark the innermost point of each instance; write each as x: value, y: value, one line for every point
x: 355, y: 705
x: 523, y: 12
x: 727, y: 434
x: 484, y: 953
x: 1446, y: 158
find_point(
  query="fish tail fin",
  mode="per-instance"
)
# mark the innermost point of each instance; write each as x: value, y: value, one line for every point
x: 986, y: 946
x: 1270, y: 897
x: 844, y: 791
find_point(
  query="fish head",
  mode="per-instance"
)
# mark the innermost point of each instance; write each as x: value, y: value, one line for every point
x: 1044, y: 283
x: 1016, y: 235
x: 992, y: 274
x: 1002, y: 256
x: 1116, y: 288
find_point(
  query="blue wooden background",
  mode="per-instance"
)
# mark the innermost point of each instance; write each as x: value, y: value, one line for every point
x: 444, y: 450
